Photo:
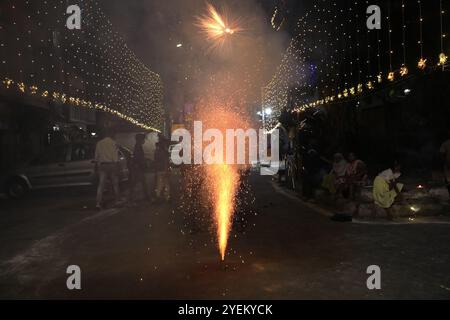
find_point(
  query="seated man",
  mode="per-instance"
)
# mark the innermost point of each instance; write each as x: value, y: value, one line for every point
x: 356, y: 179
x: 334, y: 182
x: 356, y: 175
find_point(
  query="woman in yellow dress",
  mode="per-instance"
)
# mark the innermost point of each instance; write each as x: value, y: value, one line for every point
x: 386, y: 189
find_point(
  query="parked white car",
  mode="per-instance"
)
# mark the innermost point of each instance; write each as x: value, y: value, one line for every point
x: 62, y: 166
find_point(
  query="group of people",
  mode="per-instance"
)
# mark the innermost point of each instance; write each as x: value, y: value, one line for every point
x: 107, y: 161
x: 347, y: 176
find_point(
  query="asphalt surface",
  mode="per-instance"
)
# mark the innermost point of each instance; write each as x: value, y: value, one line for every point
x: 287, y: 251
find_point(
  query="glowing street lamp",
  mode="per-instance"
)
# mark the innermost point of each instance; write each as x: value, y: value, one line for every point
x: 265, y: 113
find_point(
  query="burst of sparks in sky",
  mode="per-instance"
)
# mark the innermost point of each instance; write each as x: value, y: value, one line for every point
x: 217, y: 27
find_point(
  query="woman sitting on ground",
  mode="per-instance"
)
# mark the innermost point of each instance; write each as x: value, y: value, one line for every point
x: 386, y: 189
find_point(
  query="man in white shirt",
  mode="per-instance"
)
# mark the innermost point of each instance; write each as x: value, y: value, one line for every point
x: 445, y: 152
x: 107, y: 160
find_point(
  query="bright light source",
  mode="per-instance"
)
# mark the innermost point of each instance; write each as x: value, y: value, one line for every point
x: 179, y: 45
x: 407, y: 91
x: 268, y: 111
x: 415, y: 209
x: 259, y: 113
x: 93, y: 134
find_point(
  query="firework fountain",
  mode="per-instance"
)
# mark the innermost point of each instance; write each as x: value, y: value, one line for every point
x: 222, y: 180
x: 221, y: 107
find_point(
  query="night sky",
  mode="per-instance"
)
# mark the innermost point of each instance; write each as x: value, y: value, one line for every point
x: 152, y: 29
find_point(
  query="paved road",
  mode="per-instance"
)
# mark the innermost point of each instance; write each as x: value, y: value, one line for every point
x: 288, y: 251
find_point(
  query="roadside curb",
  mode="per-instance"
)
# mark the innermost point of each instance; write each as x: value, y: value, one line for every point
x: 291, y: 195
x: 327, y: 213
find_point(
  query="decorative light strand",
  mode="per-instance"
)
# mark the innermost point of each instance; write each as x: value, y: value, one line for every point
x: 404, y: 69
x: 422, y: 62
x: 63, y: 98
x: 391, y: 75
x: 442, y: 56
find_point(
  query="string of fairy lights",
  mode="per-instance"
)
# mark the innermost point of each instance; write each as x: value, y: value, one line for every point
x: 323, y: 63
x: 91, y: 67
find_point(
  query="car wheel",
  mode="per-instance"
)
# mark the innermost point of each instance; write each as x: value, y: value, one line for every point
x: 17, y: 188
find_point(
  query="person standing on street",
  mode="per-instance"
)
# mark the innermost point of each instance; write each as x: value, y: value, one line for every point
x: 162, y: 167
x: 445, y: 152
x: 138, y: 168
x: 107, y: 163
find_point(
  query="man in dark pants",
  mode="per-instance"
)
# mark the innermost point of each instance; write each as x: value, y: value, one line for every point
x: 137, y: 169
x: 162, y: 166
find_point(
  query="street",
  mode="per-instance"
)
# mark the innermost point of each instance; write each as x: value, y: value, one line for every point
x: 287, y: 251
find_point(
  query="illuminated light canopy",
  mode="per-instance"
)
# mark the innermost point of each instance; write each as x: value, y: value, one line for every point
x: 332, y: 58
x: 90, y: 67
x: 63, y: 98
